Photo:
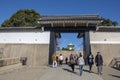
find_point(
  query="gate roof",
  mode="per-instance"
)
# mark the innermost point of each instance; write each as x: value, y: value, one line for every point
x: 70, y: 20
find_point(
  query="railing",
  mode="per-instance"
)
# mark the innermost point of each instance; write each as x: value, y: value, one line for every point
x: 115, y: 63
x: 9, y: 61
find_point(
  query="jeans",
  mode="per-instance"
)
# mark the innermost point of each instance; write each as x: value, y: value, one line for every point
x: 99, y: 70
x: 54, y: 64
x: 81, y: 69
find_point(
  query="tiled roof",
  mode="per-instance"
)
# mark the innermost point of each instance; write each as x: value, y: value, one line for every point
x: 19, y: 29
x: 70, y: 17
x: 70, y: 20
x: 108, y: 28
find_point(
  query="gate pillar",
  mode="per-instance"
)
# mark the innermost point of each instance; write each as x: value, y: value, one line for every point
x: 52, y: 46
x: 86, y: 45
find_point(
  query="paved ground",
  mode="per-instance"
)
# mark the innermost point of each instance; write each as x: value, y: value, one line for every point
x: 111, y: 74
x: 59, y: 73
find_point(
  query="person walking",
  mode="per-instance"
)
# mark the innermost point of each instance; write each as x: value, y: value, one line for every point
x: 54, y: 63
x: 57, y: 59
x: 99, y: 62
x: 90, y: 60
x: 66, y: 60
x: 72, y: 62
x: 81, y: 63
x: 60, y: 59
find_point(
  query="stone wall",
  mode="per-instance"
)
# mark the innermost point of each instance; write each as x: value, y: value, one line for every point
x: 9, y: 61
x: 37, y: 54
x: 107, y: 43
x: 108, y: 51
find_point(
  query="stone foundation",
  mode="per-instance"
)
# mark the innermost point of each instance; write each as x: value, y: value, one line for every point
x: 36, y: 54
x: 108, y: 51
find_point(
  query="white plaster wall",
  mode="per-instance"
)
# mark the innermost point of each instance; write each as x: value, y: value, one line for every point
x: 104, y: 37
x: 25, y: 37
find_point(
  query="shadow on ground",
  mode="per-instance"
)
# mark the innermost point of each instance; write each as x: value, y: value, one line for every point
x: 114, y: 75
x: 116, y: 68
x: 86, y: 70
x: 68, y: 70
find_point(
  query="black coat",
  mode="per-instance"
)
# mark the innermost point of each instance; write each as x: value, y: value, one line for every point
x: 90, y: 60
x: 99, y: 60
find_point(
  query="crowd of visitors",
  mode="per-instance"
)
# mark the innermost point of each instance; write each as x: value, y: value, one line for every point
x: 73, y: 60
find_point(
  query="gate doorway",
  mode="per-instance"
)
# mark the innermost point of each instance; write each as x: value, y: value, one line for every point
x: 70, y: 41
x: 69, y: 44
x: 80, y: 24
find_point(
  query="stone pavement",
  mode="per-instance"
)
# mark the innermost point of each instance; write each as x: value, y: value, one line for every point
x: 48, y: 73
x: 65, y: 73
x: 110, y: 74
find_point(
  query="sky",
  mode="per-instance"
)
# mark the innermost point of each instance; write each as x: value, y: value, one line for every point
x: 105, y: 8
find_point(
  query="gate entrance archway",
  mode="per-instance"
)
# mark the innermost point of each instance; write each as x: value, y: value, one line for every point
x: 80, y: 24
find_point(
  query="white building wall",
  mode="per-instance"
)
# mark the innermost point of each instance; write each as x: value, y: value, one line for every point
x: 25, y: 37
x: 104, y: 37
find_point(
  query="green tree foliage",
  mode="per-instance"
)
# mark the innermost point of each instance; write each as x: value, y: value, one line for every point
x: 25, y: 17
x: 67, y: 49
x: 108, y: 22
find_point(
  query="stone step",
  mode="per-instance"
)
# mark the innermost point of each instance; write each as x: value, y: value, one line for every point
x: 9, y: 68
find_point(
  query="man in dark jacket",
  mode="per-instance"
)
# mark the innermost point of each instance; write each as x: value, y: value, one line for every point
x: 99, y: 62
